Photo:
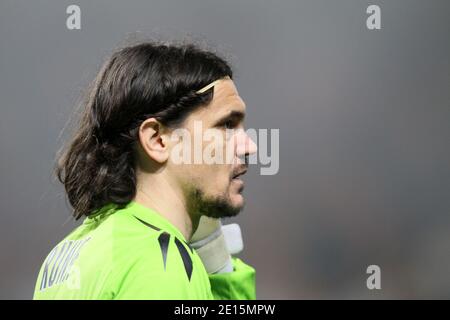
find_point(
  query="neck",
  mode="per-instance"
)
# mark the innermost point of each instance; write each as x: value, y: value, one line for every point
x: 155, y: 191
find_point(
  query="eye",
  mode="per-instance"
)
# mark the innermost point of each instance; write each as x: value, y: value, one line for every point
x: 229, y: 124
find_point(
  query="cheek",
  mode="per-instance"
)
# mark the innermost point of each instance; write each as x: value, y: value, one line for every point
x: 214, y: 179
x: 219, y: 174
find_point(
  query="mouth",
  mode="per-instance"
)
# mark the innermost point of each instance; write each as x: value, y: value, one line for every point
x: 238, y: 174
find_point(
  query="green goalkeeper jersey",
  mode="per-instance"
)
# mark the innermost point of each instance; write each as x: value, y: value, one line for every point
x: 134, y: 253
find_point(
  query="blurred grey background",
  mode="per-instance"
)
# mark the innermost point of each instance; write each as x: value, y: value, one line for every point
x: 364, y: 134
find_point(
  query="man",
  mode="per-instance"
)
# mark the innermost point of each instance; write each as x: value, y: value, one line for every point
x: 122, y: 171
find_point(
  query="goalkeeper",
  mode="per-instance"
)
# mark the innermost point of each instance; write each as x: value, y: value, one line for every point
x: 151, y: 226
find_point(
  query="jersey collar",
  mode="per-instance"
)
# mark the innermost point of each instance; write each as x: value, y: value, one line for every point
x: 150, y: 216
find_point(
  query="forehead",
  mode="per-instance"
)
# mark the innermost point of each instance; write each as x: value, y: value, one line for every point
x: 226, y: 94
x: 226, y: 99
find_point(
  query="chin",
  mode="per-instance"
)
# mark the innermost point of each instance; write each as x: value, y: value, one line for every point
x: 226, y: 205
x: 237, y: 201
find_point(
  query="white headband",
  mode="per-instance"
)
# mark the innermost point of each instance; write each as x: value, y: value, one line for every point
x: 212, y: 84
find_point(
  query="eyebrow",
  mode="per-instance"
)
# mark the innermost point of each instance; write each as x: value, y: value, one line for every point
x: 233, y: 115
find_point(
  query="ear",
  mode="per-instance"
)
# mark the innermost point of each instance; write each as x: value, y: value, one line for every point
x: 154, y: 140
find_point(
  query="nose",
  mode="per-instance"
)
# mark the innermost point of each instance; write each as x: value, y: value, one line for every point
x: 245, y: 146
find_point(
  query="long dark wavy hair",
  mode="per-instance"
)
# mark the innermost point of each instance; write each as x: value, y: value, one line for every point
x: 150, y: 79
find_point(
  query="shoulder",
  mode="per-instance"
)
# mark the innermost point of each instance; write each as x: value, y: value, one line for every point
x: 156, y: 264
x: 138, y: 244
